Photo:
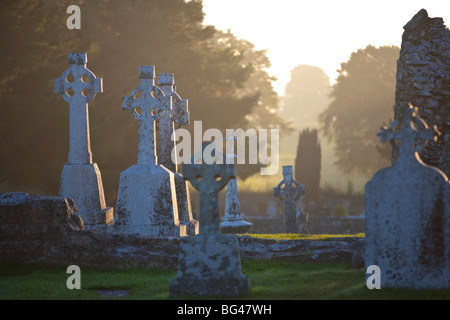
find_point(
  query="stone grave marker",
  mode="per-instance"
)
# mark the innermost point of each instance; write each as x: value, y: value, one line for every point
x: 407, y: 209
x: 289, y: 191
x: 171, y: 120
x: 233, y: 221
x: 209, y: 264
x: 81, y: 178
x: 146, y: 200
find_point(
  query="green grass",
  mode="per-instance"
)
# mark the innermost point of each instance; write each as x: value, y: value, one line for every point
x: 297, y: 236
x: 270, y: 280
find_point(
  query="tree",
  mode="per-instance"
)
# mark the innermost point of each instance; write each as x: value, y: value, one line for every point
x: 306, y: 94
x: 362, y: 101
x: 118, y: 36
x: 265, y: 114
x: 308, y: 163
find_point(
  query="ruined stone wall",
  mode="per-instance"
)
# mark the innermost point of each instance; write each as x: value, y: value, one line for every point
x: 423, y: 79
x: 48, y: 230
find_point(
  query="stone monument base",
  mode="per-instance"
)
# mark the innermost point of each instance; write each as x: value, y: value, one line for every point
x: 83, y: 184
x: 235, y: 226
x: 147, y: 202
x: 209, y: 266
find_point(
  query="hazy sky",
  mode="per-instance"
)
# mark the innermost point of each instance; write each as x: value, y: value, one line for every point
x: 322, y: 33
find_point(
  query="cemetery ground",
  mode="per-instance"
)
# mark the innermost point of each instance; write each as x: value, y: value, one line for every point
x: 270, y: 280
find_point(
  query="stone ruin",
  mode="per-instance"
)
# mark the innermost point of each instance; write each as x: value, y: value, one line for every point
x: 408, y: 212
x: 423, y: 80
x: 408, y: 204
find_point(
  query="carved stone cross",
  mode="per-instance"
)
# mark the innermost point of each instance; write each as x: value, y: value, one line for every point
x: 171, y: 120
x: 411, y: 131
x: 81, y: 179
x: 147, y: 103
x: 209, y: 180
x: 289, y: 191
x: 78, y: 86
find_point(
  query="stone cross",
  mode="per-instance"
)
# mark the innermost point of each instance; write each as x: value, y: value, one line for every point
x: 407, y: 232
x: 233, y: 220
x: 209, y: 264
x: 407, y: 131
x: 289, y: 191
x: 78, y: 86
x: 147, y: 103
x: 171, y: 120
x: 147, y: 200
x: 209, y: 180
x: 81, y: 179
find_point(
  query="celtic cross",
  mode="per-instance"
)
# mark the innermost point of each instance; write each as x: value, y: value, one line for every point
x: 146, y: 103
x: 171, y: 120
x: 289, y: 191
x: 411, y: 131
x: 78, y: 86
x: 209, y: 180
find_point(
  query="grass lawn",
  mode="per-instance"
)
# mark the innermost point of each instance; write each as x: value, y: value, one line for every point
x: 270, y: 281
x: 301, y: 236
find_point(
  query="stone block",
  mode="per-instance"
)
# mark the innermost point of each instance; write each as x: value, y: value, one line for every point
x: 147, y: 202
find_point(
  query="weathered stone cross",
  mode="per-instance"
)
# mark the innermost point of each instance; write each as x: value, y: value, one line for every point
x: 147, y: 201
x: 289, y: 194
x: 171, y: 120
x: 81, y: 179
x: 209, y: 180
x: 411, y: 137
x: 209, y: 264
x: 78, y: 86
x: 147, y: 103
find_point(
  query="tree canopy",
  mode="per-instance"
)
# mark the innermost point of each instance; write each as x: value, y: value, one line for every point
x: 362, y: 101
x: 306, y: 94
x: 220, y: 81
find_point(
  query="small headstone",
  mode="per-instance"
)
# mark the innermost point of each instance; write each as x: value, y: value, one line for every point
x: 289, y: 191
x: 233, y: 221
x: 209, y: 264
x: 81, y: 179
x: 407, y: 210
x: 146, y: 200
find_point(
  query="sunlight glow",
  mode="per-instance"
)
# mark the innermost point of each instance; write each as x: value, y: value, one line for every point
x: 321, y: 33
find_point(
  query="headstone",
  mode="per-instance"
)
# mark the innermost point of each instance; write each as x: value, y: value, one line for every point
x: 146, y: 200
x: 233, y: 221
x: 289, y: 191
x: 171, y: 120
x: 209, y: 264
x: 407, y: 210
x: 423, y: 70
x: 272, y: 209
x: 81, y: 179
